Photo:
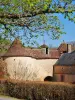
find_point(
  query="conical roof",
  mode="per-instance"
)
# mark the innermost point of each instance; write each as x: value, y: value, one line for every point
x: 16, y: 49
x: 63, y: 47
x: 44, y: 46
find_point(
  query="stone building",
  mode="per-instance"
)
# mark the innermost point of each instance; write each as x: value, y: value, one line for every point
x: 36, y: 64
x: 30, y: 64
x: 64, y: 68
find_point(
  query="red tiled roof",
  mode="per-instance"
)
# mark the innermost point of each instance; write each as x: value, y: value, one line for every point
x: 38, y: 54
x: 54, y: 54
x: 62, y: 47
x: 16, y: 49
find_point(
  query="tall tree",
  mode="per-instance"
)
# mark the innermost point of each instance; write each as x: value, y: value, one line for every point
x: 34, y: 17
x: 4, y: 45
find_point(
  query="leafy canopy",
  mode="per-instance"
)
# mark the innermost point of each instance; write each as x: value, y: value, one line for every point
x: 34, y: 18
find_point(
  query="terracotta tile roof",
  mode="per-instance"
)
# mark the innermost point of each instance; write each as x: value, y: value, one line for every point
x: 40, y: 55
x: 62, y: 47
x: 54, y: 53
x: 16, y: 49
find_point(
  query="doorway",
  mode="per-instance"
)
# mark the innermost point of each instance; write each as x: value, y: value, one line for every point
x: 48, y: 78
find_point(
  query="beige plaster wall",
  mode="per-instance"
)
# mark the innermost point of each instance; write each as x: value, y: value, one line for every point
x: 27, y: 68
x: 47, y: 65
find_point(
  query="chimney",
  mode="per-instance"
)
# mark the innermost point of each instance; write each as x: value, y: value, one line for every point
x: 69, y: 48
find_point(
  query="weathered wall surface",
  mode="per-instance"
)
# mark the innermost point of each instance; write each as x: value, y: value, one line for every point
x: 66, y: 77
x: 64, y: 73
x: 27, y: 68
x: 64, y: 69
x: 47, y: 65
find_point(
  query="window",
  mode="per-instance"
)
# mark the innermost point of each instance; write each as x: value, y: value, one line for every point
x: 64, y: 51
x: 46, y: 50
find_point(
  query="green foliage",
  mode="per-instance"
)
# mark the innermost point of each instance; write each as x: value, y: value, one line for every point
x: 4, y: 45
x: 34, y: 17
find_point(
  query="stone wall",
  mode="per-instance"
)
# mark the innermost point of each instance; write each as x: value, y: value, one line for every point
x: 27, y: 68
x: 64, y: 73
x: 64, y: 69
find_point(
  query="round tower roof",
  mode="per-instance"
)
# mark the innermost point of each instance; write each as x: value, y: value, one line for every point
x: 16, y: 49
x: 44, y: 46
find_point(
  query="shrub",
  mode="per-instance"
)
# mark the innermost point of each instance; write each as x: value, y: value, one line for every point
x: 3, y: 69
x: 3, y: 87
x: 41, y: 90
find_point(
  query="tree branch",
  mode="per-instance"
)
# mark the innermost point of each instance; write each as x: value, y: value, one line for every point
x: 12, y: 23
x: 17, y: 16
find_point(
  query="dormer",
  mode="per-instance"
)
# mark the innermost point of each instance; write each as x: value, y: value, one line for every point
x: 45, y: 49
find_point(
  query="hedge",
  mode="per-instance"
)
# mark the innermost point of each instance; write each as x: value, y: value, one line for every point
x: 40, y: 90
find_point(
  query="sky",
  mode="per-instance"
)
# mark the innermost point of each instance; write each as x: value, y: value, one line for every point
x: 69, y: 28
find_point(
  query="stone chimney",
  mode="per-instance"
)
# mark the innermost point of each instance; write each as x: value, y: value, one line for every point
x: 69, y: 48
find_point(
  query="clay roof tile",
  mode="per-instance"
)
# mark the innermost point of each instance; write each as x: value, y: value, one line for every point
x: 16, y: 49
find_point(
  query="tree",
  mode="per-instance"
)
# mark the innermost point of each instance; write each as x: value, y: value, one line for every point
x: 3, y: 69
x: 4, y: 45
x: 34, y: 17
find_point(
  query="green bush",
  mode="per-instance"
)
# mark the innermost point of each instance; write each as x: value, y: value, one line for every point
x: 41, y: 90
x: 3, y: 69
x: 3, y: 87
